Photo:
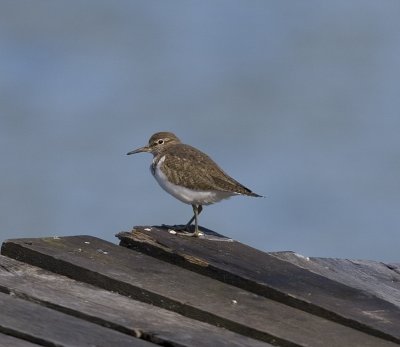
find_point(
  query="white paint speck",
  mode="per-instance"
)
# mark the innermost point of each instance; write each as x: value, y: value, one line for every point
x: 302, y: 256
x: 101, y: 251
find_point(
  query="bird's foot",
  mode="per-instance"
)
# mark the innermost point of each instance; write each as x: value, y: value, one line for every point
x: 196, y: 233
x: 183, y: 230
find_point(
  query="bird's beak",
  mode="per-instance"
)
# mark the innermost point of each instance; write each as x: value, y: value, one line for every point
x: 139, y: 150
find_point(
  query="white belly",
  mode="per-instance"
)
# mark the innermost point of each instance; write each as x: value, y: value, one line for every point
x: 186, y: 195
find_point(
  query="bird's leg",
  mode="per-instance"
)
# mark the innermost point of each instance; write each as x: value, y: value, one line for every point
x: 186, y: 229
x: 199, y: 209
x: 196, y: 209
x: 196, y: 233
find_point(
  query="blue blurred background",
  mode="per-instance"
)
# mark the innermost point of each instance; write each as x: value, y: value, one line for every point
x: 299, y: 101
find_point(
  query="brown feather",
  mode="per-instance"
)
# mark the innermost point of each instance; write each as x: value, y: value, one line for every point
x: 187, y: 166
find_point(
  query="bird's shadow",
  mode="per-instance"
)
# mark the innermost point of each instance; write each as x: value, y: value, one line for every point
x: 179, y: 230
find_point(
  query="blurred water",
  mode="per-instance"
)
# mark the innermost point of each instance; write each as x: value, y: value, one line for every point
x: 297, y: 100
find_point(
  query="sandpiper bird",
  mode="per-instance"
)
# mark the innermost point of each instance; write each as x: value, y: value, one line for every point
x: 189, y: 175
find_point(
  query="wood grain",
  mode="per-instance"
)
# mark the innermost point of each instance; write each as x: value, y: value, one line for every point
x: 269, y: 276
x: 150, y: 280
x: 112, y: 310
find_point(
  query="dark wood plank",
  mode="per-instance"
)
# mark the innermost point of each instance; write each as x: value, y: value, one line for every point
x: 376, y: 278
x: 150, y: 280
x: 113, y: 310
x: 11, y: 341
x: 394, y: 266
x: 266, y: 275
x: 47, y: 327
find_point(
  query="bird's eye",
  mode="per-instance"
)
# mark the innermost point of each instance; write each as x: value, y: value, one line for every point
x: 160, y: 142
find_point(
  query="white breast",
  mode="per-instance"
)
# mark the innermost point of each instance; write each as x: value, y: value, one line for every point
x: 186, y: 195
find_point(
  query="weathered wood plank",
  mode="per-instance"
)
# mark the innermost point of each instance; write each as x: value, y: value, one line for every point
x: 113, y: 310
x: 47, y: 327
x: 394, y: 266
x: 10, y: 341
x: 376, y: 278
x: 150, y: 280
x: 266, y: 275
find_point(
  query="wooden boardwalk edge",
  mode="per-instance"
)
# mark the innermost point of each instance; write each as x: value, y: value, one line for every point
x: 140, y: 277
x: 24, y: 250
x: 267, y: 275
x: 107, y: 309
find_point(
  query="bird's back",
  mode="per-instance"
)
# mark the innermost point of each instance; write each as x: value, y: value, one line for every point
x: 188, y: 167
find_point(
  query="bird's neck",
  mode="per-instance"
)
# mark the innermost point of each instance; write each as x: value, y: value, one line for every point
x: 157, y: 157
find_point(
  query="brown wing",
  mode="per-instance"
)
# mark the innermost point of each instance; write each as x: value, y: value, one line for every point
x: 193, y: 169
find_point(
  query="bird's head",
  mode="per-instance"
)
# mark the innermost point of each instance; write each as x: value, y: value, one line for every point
x: 157, y: 143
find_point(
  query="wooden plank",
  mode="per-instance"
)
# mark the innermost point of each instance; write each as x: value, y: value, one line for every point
x: 376, y: 278
x: 150, y: 280
x: 113, y: 310
x: 266, y: 275
x: 11, y: 341
x: 47, y: 327
x: 394, y: 266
